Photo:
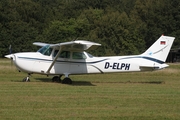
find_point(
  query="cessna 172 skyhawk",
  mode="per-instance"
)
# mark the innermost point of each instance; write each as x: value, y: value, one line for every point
x: 70, y: 58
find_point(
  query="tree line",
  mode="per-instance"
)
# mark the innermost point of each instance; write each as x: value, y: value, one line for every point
x: 123, y: 27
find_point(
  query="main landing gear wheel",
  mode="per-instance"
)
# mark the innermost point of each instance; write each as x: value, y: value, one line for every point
x: 56, y: 79
x: 66, y: 81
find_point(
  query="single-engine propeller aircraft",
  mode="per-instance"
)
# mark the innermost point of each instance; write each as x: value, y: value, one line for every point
x: 70, y: 58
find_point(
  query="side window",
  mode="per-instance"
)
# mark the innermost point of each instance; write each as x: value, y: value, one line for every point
x: 63, y: 54
x: 78, y: 55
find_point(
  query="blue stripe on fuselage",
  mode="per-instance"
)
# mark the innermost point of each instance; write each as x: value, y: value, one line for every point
x: 28, y: 58
x: 147, y: 58
x: 144, y: 57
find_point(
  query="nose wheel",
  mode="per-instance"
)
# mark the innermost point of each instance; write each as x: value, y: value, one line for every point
x: 26, y: 79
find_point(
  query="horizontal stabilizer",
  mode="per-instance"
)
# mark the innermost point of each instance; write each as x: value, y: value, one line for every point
x: 146, y: 68
x: 151, y: 68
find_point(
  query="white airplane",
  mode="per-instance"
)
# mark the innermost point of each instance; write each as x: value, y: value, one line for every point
x: 70, y: 58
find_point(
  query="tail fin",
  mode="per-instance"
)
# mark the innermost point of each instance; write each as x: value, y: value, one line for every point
x: 160, y: 49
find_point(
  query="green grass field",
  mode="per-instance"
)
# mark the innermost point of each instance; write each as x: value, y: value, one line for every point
x: 126, y: 96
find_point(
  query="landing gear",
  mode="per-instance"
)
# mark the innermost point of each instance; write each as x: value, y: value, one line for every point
x: 56, y: 79
x: 26, y: 79
x: 66, y: 80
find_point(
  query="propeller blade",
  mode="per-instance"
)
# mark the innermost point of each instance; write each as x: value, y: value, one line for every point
x: 10, y: 57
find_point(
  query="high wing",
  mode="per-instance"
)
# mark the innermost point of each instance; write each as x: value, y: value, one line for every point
x: 40, y: 44
x: 79, y: 45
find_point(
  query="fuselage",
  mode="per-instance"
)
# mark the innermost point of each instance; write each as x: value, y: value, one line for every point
x: 74, y: 62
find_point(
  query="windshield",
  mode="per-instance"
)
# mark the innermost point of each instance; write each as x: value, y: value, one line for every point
x: 46, y: 50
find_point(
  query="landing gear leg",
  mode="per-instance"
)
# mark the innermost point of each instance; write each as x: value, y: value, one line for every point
x: 66, y: 80
x: 27, y: 79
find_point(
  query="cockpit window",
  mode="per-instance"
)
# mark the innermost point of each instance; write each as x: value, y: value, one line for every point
x: 78, y: 55
x: 46, y: 50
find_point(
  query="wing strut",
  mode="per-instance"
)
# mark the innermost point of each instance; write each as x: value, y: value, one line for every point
x: 54, y: 60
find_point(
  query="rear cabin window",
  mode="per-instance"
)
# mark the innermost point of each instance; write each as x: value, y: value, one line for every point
x: 91, y: 56
x: 63, y: 54
x: 78, y: 55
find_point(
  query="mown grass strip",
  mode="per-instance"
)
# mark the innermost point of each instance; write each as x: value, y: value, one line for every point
x: 149, y: 95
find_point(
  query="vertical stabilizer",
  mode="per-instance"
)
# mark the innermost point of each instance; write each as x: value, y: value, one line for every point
x: 160, y: 49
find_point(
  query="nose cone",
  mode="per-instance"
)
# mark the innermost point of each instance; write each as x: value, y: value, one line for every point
x: 10, y: 56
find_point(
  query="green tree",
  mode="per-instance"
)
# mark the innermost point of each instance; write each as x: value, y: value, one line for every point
x: 159, y: 17
x: 61, y: 31
x: 115, y: 31
x: 121, y: 26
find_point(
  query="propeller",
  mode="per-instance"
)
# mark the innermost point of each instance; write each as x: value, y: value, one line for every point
x: 10, y: 56
x: 10, y: 51
x: 11, y: 61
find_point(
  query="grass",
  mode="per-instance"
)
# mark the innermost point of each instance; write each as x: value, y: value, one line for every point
x: 126, y: 96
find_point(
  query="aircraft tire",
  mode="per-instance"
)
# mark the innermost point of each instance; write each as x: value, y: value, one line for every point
x: 66, y: 81
x: 26, y: 79
x: 56, y: 79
